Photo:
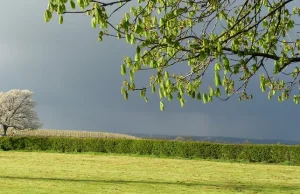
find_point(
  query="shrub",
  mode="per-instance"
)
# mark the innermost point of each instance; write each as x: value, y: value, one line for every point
x: 204, y: 150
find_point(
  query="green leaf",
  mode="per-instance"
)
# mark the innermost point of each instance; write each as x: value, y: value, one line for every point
x: 138, y: 29
x: 296, y: 99
x: 123, y: 69
x: 226, y: 63
x: 132, y: 86
x: 119, y: 35
x: 217, y: 92
x: 181, y: 102
x: 161, y: 93
x: 61, y: 8
x: 138, y: 49
x: 162, y: 106
x: 128, y: 38
x: 132, y: 39
x: 193, y: 94
x: 158, y: 10
x: 72, y: 3
x: 217, y: 79
x: 131, y: 75
x: 61, y: 19
x: 132, y: 9
x: 47, y: 16
x: 211, y: 91
x: 126, y: 95
x: 269, y: 96
x: 263, y: 87
x: 262, y: 83
x: 153, y: 88
x: 198, y: 96
x: 219, y: 47
x: 217, y: 67
x: 142, y: 93
x: 161, y: 22
x: 265, y: 23
x: 210, y: 98
x: 127, y: 16
x: 123, y: 90
x: 167, y: 76
x: 137, y: 57
x: 93, y: 22
x: 205, y: 98
x: 254, y: 68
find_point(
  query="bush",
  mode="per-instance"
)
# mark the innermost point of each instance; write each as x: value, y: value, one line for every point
x: 250, y: 152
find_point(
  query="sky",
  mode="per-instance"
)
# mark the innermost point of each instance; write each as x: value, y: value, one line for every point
x: 76, y: 83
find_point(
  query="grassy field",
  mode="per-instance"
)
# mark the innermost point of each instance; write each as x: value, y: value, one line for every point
x: 33, y: 172
x: 68, y: 133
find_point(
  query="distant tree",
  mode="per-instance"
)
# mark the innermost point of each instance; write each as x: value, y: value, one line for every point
x: 17, y: 110
x: 234, y: 41
x: 220, y: 141
x: 179, y: 138
x: 184, y: 138
x: 246, y: 142
x: 189, y: 139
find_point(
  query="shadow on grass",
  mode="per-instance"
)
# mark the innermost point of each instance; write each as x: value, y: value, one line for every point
x: 238, y: 186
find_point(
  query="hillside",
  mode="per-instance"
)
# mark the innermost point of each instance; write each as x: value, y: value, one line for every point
x: 69, y: 133
x: 217, y: 139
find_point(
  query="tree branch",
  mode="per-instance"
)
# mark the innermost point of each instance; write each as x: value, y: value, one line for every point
x: 266, y: 55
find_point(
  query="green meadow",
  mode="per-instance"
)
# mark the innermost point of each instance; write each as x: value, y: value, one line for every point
x: 39, y: 172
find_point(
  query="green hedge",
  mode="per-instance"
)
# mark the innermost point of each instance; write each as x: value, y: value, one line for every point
x: 203, y: 150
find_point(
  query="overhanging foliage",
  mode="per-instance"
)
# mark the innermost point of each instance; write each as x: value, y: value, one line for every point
x: 237, y: 39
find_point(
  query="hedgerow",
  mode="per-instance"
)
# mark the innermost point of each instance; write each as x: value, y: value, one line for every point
x: 165, y: 148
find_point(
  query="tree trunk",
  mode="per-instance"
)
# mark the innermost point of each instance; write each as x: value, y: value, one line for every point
x: 5, y: 129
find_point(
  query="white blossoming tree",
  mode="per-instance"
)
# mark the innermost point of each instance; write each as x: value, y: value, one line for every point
x: 17, y: 110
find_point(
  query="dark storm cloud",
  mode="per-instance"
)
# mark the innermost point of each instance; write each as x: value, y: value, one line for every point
x: 77, y: 80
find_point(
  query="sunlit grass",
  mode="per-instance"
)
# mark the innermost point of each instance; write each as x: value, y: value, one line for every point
x: 32, y: 172
x: 69, y: 133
